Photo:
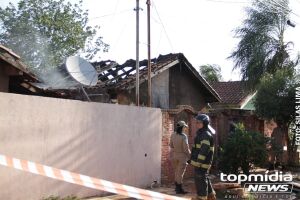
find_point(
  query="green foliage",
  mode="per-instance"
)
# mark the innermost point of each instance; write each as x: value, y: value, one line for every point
x: 211, y: 73
x: 241, y: 150
x: 45, y: 32
x: 59, y: 198
x: 262, y: 48
x: 275, y: 98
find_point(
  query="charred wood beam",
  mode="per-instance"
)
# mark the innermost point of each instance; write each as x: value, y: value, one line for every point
x: 28, y: 87
x: 116, y: 77
x: 157, y: 69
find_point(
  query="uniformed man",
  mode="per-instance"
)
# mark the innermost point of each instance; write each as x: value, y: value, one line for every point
x: 180, y: 154
x: 202, y: 156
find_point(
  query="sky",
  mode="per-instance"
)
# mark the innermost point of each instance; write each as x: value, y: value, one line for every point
x: 203, y: 30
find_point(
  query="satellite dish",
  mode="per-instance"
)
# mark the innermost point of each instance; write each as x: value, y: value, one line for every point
x: 81, y: 71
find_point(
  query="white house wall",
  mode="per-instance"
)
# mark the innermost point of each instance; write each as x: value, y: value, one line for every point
x: 111, y: 142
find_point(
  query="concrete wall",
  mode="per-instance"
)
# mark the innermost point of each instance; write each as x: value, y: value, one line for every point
x: 185, y: 89
x: 160, y: 90
x: 116, y: 143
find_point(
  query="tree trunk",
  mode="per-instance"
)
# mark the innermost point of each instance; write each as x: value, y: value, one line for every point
x: 280, y: 139
x: 293, y: 155
x: 281, y: 135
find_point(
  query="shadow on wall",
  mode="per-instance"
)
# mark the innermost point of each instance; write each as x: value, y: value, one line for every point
x: 100, y: 140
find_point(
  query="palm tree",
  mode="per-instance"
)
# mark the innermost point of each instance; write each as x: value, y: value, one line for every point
x: 262, y: 48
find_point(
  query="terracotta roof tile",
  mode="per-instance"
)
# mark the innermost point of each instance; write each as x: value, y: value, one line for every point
x: 232, y: 92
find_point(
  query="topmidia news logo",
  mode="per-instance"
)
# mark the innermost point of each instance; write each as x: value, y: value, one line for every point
x: 262, y: 183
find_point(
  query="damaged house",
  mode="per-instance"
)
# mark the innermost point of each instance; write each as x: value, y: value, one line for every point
x: 174, y: 82
x: 15, y: 77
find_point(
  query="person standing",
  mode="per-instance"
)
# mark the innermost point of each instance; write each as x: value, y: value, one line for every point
x: 202, y: 157
x: 180, y: 154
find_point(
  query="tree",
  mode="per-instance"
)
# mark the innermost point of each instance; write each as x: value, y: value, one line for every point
x: 263, y: 57
x: 262, y: 48
x: 275, y: 100
x: 211, y: 73
x: 45, y: 32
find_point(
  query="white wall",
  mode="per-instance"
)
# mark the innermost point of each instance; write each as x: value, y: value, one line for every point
x: 160, y: 90
x: 100, y: 140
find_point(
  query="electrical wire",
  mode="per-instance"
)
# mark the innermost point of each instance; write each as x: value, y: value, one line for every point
x: 220, y: 1
x: 170, y: 43
x: 116, y: 7
x: 277, y: 7
x: 111, y: 14
x: 283, y: 7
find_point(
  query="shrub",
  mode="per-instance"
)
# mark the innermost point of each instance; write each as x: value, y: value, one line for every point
x: 241, y: 150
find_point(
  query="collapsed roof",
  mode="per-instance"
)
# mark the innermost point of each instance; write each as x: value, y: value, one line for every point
x: 114, y: 76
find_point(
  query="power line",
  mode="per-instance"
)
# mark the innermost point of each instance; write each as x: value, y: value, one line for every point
x: 116, y: 7
x: 116, y: 43
x: 111, y: 14
x: 220, y: 1
x: 155, y: 20
x: 276, y: 8
x: 282, y: 6
x: 154, y: 4
x: 160, y: 34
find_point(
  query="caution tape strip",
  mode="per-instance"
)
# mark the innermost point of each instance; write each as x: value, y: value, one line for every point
x: 83, y: 180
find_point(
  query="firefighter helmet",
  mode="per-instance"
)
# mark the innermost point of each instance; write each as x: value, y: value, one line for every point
x: 203, y: 118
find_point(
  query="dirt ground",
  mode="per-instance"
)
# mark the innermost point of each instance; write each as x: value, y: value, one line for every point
x: 224, y: 191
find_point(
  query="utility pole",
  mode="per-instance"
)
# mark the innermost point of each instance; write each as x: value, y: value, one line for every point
x: 137, y: 87
x: 149, y: 54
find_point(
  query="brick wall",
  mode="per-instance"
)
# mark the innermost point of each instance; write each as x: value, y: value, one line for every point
x: 167, y: 174
x: 191, y: 135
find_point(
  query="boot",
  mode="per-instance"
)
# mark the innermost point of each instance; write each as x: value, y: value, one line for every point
x: 181, y: 191
x: 177, y: 190
x: 198, y: 198
x: 211, y: 196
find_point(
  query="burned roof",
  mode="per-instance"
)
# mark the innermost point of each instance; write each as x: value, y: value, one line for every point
x: 232, y: 92
x: 22, y: 77
x: 111, y: 75
x: 14, y: 60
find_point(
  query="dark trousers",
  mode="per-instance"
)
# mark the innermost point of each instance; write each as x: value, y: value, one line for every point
x: 202, y: 182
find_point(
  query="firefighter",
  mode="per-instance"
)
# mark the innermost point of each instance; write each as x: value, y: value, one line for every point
x: 180, y: 154
x: 201, y: 158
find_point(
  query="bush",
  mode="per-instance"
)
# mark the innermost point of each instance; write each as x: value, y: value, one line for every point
x: 241, y: 150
